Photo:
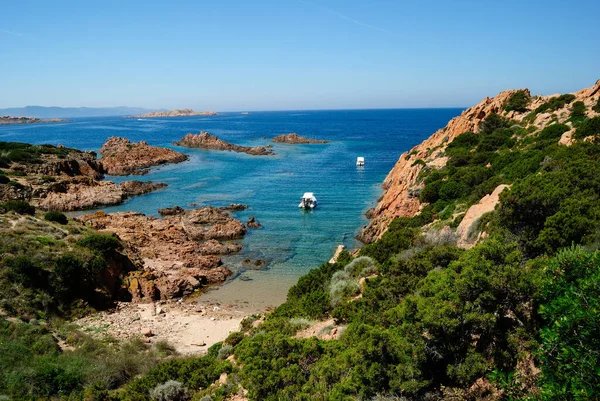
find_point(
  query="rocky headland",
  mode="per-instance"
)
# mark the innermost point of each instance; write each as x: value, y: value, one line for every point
x: 294, y: 138
x: 181, y: 252
x: 175, y: 113
x: 403, y: 183
x: 204, y: 140
x: 120, y: 156
x: 4, y: 120
x: 61, y: 179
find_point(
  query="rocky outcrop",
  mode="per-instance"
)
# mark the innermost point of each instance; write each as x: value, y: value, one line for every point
x: 82, y: 193
x: 175, y: 113
x: 120, y: 156
x: 4, y: 120
x: 204, y: 140
x: 171, y: 211
x: 181, y: 253
x: 252, y: 223
x: 401, y: 186
x: 133, y: 188
x: 294, y: 138
x: 65, y: 179
x: 467, y: 229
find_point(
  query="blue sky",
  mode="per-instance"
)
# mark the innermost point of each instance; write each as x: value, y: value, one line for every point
x: 292, y: 54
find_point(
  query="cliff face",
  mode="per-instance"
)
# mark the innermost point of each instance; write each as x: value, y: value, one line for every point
x: 401, y: 186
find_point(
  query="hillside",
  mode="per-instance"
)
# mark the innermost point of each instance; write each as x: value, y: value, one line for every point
x: 403, y: 183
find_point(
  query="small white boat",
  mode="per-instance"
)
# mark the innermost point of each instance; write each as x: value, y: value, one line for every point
x: 360, y: 161
x: 308, y: 201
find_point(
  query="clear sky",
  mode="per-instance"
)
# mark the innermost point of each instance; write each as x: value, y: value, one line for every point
x: 292, y: 54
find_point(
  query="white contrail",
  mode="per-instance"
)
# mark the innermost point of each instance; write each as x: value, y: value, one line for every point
x: 11, y: 33
x: 345, y: 17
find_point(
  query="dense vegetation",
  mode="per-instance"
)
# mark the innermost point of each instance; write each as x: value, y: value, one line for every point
x: 412, y: 315
x: 25, y: 153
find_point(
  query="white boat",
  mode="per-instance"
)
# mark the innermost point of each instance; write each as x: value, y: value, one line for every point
x: 360, y: 161
x: 308, y: 201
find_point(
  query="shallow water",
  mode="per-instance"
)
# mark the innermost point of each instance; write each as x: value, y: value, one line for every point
x: 291, y: 241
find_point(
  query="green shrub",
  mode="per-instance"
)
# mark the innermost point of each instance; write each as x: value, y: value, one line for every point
x: 20, y: 207
x: 555, y: 103
x: 4, y: 179
x: 570, y: 339
x: 596, y: 107
x: 518, y: 101
x: 492, y: 122
x: 103, y: 243
x: 56, y: 217
x: 589, y: 127
x: 578, y: 109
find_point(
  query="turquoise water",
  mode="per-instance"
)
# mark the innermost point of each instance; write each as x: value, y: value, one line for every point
x: 291, y: 241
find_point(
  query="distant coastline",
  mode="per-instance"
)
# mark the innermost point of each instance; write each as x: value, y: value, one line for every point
x: 174, y: 113
x: 5, y: 120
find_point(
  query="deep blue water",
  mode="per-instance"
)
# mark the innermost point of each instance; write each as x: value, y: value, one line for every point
x: 291, y: 241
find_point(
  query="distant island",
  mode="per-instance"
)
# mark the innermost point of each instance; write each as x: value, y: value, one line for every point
x: 5, y: 120
x: 294, y: 138
x: 204, y: 140
x: 175, y: 113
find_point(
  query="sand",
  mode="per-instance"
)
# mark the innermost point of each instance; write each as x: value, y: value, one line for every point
x: 191, y: 328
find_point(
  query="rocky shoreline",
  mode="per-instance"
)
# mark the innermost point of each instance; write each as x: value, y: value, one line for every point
x: 294, y: 138
x: 120, y: 156
x: 5, y: 120
x: 175, y: 113
x: 62, y: 179
x: 181, y: 253
x: 204, y: 140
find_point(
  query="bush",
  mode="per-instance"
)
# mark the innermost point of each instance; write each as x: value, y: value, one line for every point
x: 103, y: 243
x: 518, y: 102
x: 56, y: 217
x: 596, y: 108
x: 20, y: 207
x: 224, y: 352
x: 589, y: 127
x: 493, y: 122
x: 4, y: 179
x: 570, y: 348
x: 170, y: 391
x: 578, y: 109
x: 555, y: 103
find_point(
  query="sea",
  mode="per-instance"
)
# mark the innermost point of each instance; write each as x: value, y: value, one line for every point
x: 291, y: 241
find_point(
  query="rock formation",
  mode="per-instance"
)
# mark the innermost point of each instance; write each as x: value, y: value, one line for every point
x: 4, y: 120
x: 204, y: 140
x: 175, y: 113
x: 65, y: 179
x: 468, y: 226
x: 123, y: 157
x: 401, y: 186
x: 294, y: 138
x: 181, y: 253
x: 252, y: 223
